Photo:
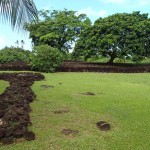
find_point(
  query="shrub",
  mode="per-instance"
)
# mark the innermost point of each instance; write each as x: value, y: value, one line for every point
x: 137, y: 59
x: 45, y: 58
x: 11, y: 54
x: 66, y: 56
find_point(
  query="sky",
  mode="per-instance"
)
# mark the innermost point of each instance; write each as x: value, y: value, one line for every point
x: 93, y: 8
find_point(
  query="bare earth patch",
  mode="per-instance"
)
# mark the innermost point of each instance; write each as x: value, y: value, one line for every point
x: 61, y: 111
x: 102, y: 125
x: 14, y: 106
x: 69, y: 131
x: 46, y: 86
x: 88, y: 93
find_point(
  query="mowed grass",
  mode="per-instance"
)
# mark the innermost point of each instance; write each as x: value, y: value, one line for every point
x: 3, y: 85
x: 123, y: 100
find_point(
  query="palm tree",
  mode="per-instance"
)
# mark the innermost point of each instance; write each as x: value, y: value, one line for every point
x: 22, y: 43
x: 17, y: 12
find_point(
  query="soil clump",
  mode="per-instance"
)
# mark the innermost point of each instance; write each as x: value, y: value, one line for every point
x: 14, y: 106
x: 103, y: 126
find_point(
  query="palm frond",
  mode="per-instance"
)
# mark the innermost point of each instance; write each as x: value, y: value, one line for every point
x: 17, y: 12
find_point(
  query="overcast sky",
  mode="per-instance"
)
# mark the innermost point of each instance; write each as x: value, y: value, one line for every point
x: 93, y: 8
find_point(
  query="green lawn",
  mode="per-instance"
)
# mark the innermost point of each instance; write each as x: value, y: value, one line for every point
x: 123, y: 100
x: 3, y: 85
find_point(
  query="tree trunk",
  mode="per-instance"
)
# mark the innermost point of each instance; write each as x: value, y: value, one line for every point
x: 112, y: 57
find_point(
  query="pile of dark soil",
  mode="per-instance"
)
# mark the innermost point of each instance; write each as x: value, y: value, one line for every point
x: 77, y: 66
x: 102, y: 125
x: 14, y: 106
x: 80, y: 66
x: 17, y: 65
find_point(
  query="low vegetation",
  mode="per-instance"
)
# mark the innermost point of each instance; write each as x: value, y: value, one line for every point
x: 45, y: 58
x: 62, y: 103
x: 3, y: 85
x: 11, y: 54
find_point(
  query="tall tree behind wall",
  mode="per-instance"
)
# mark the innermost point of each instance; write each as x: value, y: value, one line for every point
x: 59, y: 29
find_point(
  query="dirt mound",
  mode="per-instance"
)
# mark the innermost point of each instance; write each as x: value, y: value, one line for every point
x: 103, y: 125
x: 80, y: 66
x: 77, y: 66
x: 14, y: 106
x: 17, y: 65
x: 69, y: 131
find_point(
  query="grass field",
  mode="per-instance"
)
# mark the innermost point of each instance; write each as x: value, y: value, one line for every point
x: 123, y: 100
x: 3, y: 85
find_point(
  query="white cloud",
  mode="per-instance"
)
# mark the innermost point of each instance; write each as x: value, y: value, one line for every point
x: 93, y: 13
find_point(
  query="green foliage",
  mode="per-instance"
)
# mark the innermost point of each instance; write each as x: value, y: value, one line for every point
x: 11, y: 54
x: 17, y: 12
x: 146, y: 60
x: 84, y: 48
x: 45, y: 58
x: 97, y: 59
x: 117, y: 36
x: 3, y: 85
x: 137, y: 59
x: 59, y: 29
x: 67, y: 56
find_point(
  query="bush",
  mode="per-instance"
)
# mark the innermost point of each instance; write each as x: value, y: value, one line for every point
x: 45, y: 58
x: 11, y: 54
x: 137, y: 59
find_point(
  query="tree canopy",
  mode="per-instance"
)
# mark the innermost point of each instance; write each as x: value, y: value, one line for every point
x: 17, y: 12
x: 116, y: 36
x: 59, y: 29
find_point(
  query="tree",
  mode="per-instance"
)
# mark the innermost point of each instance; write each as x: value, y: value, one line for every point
x: 17, y: 43
x: 17, y: 12
x: 85, y: 45
x: 58, y: 29
x: 119, y: 35
x: 22, y: 43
